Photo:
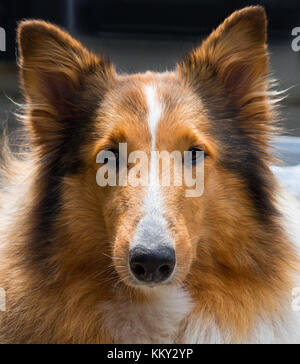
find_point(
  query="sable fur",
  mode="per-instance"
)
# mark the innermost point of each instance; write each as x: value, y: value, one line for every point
x: 64, y: 240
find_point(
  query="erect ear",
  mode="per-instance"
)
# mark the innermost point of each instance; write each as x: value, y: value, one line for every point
x: 55, y: 67
x: 234, y: 57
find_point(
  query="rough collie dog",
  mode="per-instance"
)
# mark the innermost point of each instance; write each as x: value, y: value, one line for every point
x: 87, y: 264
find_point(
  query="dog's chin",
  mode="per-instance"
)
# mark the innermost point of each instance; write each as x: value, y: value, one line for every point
x: 141, y: 285
x: 132, y: 282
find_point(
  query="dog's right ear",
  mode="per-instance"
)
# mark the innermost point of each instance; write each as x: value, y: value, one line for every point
x: 235, y: 58
x: 54, y: 66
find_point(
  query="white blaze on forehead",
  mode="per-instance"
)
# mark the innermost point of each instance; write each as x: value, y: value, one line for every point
x: 154, y: 110
x: 153, y: 228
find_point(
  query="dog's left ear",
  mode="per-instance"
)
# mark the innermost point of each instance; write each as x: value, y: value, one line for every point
x: 233, y: 57
x: 54, y: 67
x: 62, y: 81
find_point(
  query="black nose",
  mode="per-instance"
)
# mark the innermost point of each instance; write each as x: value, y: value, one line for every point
x: 152, y: 265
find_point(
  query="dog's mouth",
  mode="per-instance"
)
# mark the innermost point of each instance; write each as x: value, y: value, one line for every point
x: 133, y: 282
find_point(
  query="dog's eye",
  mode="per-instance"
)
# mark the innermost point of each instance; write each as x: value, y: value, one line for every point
x: 196, y: 155
x: 112, y: 154
x: 116, y: 153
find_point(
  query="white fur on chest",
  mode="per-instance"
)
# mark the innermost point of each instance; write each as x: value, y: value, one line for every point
x: 280, y: 330
x: 158, y: 320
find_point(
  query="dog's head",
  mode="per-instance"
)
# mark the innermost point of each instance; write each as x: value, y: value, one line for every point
x: 215, y: 102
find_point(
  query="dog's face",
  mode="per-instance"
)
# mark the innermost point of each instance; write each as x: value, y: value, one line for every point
x: 152, y: 225
x: 214, y: 102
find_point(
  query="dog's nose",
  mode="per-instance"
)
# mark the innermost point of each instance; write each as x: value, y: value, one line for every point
x: 152, y: 265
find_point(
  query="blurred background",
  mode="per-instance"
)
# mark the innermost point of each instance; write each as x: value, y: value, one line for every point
x: 141, y: 35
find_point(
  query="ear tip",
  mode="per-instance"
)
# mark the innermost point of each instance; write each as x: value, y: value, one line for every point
x: 28, y: 30
x: 30, y: 26
x: 252, y: 18
x: 32, y: 33
x: 253, y: 13
x: 256, y: 9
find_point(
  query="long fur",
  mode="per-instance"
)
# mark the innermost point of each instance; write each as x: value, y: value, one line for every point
x: 64, y: 241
